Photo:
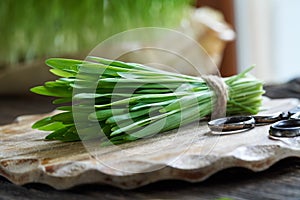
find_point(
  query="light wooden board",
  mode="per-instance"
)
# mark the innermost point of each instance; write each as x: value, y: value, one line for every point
x: 191, y: 154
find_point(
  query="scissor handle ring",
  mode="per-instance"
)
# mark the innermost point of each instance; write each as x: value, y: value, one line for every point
x: 286, y: 128
x: 234, y: 123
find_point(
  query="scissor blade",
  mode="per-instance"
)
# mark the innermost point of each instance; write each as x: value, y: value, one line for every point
x: 295, y: 110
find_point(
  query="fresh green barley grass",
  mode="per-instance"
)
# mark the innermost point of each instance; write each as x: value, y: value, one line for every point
x: 133, y: 101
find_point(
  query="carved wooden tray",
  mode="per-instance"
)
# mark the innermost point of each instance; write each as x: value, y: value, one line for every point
x: 191, y: 154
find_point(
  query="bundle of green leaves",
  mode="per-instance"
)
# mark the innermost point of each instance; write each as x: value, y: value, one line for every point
x: 130, y: 101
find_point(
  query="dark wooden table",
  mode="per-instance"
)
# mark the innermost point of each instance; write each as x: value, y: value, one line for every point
x: 281, y: 181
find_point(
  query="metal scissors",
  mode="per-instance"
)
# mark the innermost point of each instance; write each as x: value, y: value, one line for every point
x: 284, y: 124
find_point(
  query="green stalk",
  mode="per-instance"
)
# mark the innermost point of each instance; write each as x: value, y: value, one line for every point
x: 133, y: 101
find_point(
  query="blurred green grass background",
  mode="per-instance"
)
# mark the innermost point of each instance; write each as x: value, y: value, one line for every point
x: 32, y: 29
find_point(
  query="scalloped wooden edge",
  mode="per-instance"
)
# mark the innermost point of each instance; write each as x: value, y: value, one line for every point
x: 21, y: 169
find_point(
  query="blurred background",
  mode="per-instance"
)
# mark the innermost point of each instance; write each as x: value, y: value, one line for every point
x: 268, y: 35
x: 33, y: 29
x: 235, y: 33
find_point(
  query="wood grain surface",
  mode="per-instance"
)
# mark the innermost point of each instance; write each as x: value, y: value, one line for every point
x: 279, y: 181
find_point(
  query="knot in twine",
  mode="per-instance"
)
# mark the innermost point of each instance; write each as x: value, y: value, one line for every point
x: 219, y: 87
